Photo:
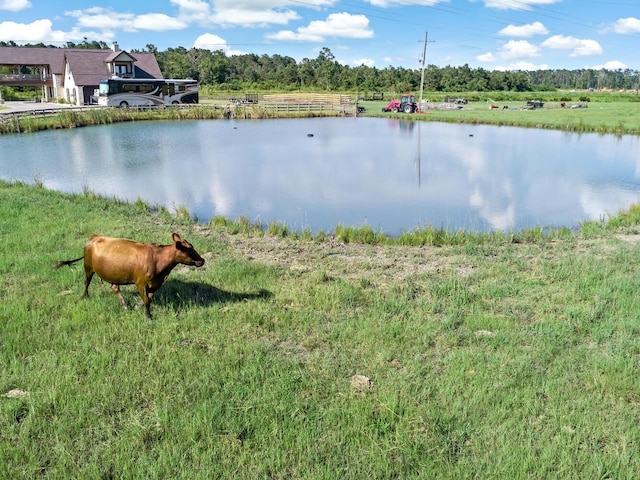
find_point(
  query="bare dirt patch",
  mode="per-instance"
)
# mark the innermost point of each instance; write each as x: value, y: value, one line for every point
x: 379, y: 264
x: 631, y: 238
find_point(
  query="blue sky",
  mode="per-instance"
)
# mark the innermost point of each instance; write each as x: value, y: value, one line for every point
x: 493, y: 34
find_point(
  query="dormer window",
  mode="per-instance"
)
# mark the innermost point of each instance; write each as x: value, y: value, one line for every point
x: 123, y: 69
x: 120, y: 64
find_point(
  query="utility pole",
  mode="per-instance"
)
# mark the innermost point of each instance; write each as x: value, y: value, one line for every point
x: 424, y: 63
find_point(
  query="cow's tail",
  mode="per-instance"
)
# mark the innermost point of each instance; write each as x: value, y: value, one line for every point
x: 67, y: 262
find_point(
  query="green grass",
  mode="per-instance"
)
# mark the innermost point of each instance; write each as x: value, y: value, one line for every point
x: 100, y: 116
x: 605, y: 112
x: 486, y: 359
x: 618, y: 118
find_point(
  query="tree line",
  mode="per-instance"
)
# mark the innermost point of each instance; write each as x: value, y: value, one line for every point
x: 264, y: 72
x: 279, y: 72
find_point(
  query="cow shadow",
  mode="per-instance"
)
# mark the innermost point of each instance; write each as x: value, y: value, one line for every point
x: 178, y: 292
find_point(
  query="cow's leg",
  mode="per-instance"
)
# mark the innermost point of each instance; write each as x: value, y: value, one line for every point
x: 146, y: 298
x: 88, y: 275
x: 116, y: 290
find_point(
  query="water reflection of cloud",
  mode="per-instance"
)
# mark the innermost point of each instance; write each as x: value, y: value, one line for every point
x: 600, y: 204
x: 351, y: 171
x: 491, y: 191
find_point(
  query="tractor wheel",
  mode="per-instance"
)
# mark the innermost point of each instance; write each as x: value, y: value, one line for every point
x: 394, y: 110
x: 408, y: 109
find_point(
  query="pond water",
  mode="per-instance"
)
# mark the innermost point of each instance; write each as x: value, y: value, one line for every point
x: 394, y: 175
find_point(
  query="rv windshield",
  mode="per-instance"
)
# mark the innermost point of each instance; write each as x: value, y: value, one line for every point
x: 104, y: 88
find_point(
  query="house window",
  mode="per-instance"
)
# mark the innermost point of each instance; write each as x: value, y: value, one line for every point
x: 122, y: 69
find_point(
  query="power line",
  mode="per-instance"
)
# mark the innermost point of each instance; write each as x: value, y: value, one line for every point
x: 386, y: 18
x: 423, y: 61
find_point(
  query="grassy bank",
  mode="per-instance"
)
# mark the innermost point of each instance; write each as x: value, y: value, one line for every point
x: 603, y: 113
x: 610, y: 112
x: 30, y: 123
x: 607, y: 117
x: 292, y: 358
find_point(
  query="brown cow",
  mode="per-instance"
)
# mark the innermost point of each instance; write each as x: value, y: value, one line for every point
x: 125, y: 262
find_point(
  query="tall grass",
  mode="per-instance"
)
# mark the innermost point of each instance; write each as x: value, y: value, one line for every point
x: 100, y: 116
x: 289, y: 358
x: 610, y: 112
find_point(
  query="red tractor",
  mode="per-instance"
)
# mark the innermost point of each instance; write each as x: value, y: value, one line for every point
x: 406, y: 104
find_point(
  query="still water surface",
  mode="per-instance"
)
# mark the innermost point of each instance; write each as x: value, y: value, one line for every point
x: 394, y: 175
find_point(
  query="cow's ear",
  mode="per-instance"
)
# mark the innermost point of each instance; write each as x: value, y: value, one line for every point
x: 176, y: 237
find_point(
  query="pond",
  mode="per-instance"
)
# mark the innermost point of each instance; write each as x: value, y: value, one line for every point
x: 392, y: 174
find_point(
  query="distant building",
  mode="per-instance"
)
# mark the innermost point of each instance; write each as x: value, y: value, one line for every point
x: 72, y: 74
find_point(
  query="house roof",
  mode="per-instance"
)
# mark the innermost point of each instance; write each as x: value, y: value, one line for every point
x: 88, y: 66
x: 120, y: 55
x: 28, y: 56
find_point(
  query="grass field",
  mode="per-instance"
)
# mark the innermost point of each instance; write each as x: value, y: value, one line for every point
x: 288, y: 358
x: 606, y: 112
x: 599, y: 116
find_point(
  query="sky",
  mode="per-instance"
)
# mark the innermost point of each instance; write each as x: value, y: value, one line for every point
x: 492, y: 34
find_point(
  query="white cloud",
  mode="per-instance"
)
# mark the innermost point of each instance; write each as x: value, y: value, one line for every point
x: 513, y: 50
x: 393, y: 60
x: 209, y: 41
x: 290, y: 36
x: 487, y: 57
x: 398, y: 3
x: 261, y: 5
x: 192, y: 10
x: 524, y: 66
x: 367, y: 62
x: 516, y: 51
x: 14, y: 5
x: 248, y: 13
x: 102, y: 18
x: 342, y: 25
x: 517, y: 4
x: 191, y: 5
x: 224, y: 13
x: 626, y: 26
x: 519, y: 49
x: 529, y: 30
x: 245, y: 17
x: 612, y: 65
x: 579, y: 47
x: 107, y: 19
x: 158, y: 22
x: 251, y: 13
x: 39, y: 31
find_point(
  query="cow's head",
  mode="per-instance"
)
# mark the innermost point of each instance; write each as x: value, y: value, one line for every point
x: 186, y: 254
